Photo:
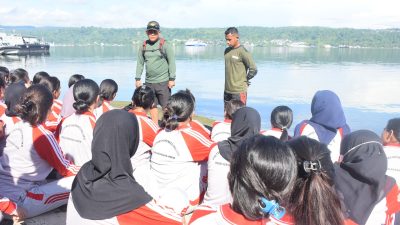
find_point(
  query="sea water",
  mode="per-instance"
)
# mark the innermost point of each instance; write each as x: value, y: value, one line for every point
x: 366, y: 80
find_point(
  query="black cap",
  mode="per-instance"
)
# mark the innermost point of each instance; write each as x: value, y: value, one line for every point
x: 153, y: 25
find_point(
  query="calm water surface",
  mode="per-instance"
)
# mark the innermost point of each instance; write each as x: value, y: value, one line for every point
x: 366, y: 80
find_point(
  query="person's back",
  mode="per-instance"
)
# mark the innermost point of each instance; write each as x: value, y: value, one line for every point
x: 142, y: 101
x: 327, y: 124
x: 221, y: 130
x: 179, y: 151
x: 31, y: 152
x: 75, y: 133
x: 246, y: 122
x: 258, y: 183
x: 391, y: 146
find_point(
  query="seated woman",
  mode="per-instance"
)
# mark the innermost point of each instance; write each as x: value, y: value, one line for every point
x: 54, y: 117
x: 314, y: 200
x: 108, y: 91
x: 180, y: 152
x: 75, y: 132
x: 142, y: 101
x: 262, y: 173
x: 370, y: 197
x: 281, y: 120
x: 31, y: 152
x: 391, y: 145
x: 104, y: 191
x: 221, y: 130
x: 246, y: 122
x: 327, y: 124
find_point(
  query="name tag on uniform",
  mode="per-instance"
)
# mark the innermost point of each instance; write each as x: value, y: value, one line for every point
x: 235, y: 57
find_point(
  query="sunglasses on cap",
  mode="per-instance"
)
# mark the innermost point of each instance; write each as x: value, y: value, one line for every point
x: 152, y: 32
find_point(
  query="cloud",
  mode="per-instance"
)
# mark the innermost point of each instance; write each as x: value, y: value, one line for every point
x: 203, y: 13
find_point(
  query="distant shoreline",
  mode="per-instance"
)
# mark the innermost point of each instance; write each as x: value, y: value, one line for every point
x: 323, y: 37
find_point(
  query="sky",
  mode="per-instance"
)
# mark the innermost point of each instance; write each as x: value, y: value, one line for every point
x: 370, y: 14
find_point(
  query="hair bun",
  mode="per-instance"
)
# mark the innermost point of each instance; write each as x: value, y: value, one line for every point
x: 80, y: 105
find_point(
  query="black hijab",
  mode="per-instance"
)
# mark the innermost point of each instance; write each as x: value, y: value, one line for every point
x: 360, y: 177
x: 246, y: 122
x: 104, y: 186
x: 13, y: 96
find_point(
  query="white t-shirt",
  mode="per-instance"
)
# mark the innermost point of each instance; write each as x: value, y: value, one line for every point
x: 218, y: 188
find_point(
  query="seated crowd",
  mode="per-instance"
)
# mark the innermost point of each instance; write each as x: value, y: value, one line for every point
x: 117, y: 166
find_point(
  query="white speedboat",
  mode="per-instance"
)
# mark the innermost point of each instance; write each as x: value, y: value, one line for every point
x: 193, y: 42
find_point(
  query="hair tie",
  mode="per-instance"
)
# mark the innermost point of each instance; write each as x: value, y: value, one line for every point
x: 174, y: 117
x: 284, y: 128
x: 309, y: 166
x: 272, y: 208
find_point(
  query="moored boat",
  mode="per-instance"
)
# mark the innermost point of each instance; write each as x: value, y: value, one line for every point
x: 22, y: 45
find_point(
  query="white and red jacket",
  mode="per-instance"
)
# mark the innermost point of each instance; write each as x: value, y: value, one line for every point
x: 224, y: 215
x: 179, y: 162
x: 8, y: 206
x: 333, y: 146
x: 3, y: 108
x: 75, y: 135
x: 275, y: 132
x: 105, y: 107
x: 9, y: 123
x: 199, y: 127
x: 384, y: 213
x: 54, y: 117
x: 141, y: 159
x: 149, y: 214
x: 221, y: 130
x: 392, y: 152
x: 30, y: 154
x: 217, y: 186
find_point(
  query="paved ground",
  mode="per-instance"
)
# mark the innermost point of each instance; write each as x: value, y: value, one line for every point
x: 55, y: 217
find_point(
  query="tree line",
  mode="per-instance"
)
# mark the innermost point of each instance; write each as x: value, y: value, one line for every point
x: 259, y: 36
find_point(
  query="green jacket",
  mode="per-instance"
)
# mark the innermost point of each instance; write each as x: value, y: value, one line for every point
x: 239, y: 69
x: 158, y: 68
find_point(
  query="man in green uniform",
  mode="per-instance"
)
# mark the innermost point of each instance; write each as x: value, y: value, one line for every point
x: 159, y: 58
x: 239, y: 67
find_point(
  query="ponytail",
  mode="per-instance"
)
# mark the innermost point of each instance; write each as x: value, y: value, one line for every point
x: 179, y: 109
x: 35, y: 104
x: 282, y: 118
x: 313, y: 200
x: 85, y: 94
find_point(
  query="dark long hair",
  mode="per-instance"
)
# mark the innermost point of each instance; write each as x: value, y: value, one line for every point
x: 75, y: 78
x: 263, y: 167
x: 282, y: 118
x: 143, y: 97
x: 108, y: 88
x: 314, y: 200
x: 18, y: 75
x: 394, y: 125
x: 179, y: 108
x: 231, y: 107
x: 39, y: 76
x: 35, y: 104
x: 85, y: 94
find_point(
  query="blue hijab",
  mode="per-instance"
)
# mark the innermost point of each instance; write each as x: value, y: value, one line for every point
x: 327, y: 116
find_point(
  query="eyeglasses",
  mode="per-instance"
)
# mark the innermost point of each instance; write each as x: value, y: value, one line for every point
x: 152, y: 32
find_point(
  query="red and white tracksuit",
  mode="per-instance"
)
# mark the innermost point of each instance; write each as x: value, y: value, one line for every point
x: 105, y: 107
x: 75, y: 135
x: 30, y: 154
x: 141, y: 159
x: 224, y: 215
x: 221, y: 130
x: 179, y: 162
x: 54, y: 117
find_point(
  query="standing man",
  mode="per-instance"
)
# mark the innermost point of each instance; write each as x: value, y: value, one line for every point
x: 159, y: 58
x: 239, y: 68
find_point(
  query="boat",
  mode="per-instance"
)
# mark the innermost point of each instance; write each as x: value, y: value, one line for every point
x: 22, y: 45
x: 193, y: 42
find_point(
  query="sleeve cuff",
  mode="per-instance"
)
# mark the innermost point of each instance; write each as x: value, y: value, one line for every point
x: 172, y: 79
x: 137, y: 79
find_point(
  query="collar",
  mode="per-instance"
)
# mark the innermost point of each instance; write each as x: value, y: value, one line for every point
x: 235, y: 218
x: 139, y: 113
x: 393, y: 144
x: 88, y: 113
x: 227, y: 121
x: 276, y: 129
x: 183, y: 126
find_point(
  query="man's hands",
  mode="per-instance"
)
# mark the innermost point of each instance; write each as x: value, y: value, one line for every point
x: 171, y: 84
x: 138, y: 83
